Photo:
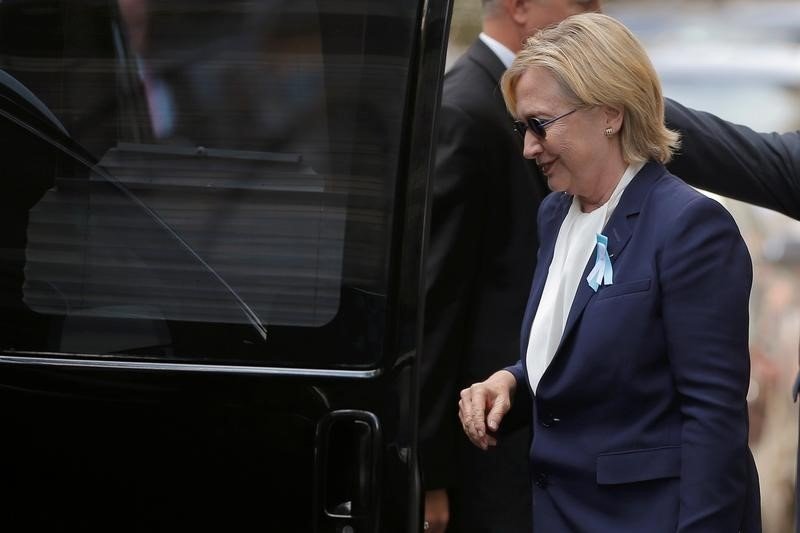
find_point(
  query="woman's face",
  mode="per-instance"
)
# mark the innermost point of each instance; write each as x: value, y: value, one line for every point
x: 575, y: 152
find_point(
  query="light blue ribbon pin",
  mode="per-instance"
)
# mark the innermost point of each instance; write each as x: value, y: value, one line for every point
x: 603, y: 272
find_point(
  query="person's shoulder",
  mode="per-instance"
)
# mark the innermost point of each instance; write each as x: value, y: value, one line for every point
x: 673, y: 187
x: 468, y: 77
x: 679, y: 199
x: 475, y: 56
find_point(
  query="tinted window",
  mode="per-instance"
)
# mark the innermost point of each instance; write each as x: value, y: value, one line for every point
x: 225, y: 191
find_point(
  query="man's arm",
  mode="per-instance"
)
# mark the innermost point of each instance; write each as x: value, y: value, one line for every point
x: 735, y: 161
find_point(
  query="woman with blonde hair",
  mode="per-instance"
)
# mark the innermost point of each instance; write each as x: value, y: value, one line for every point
x: 634, y: 347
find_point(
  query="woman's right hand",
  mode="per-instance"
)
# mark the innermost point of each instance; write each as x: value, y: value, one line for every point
x: 483, y: 405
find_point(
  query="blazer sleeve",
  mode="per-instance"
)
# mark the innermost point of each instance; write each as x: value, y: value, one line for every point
x: 706, y: 274
x: 735, y: 161
x: 518, y: 372
x: 458, y: 202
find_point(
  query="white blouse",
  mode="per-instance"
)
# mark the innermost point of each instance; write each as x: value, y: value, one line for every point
x: 574, y: 246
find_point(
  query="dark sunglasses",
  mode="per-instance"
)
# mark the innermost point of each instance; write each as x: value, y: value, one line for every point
x: 537, y: 126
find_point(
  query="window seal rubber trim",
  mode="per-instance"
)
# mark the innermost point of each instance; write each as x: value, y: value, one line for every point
x: 33, y: 360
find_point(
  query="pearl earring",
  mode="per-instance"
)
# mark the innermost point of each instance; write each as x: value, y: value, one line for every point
x: 608, y: 132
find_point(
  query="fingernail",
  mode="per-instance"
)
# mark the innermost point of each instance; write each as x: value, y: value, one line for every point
x: 492, y: 425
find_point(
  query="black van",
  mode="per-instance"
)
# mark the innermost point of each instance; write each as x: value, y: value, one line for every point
x: 210, y: 256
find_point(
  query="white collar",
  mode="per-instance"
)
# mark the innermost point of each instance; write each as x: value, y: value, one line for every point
x: 503, y: 53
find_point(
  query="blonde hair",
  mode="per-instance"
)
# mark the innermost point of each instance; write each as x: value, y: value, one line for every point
x: 597, y: 61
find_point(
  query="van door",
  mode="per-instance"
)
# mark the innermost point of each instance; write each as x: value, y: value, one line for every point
x: 210, y: 264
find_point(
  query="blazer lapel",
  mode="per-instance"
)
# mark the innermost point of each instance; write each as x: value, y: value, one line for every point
x: 618, y: 230
x: 487, y: 60
x: 550, y: 225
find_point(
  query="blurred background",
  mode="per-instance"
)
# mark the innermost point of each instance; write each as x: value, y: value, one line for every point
x: 741, y: 61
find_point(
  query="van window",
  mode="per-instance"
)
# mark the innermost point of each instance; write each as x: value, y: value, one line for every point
x: 225, y: 188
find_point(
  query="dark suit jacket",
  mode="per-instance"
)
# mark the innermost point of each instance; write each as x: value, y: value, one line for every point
x: 641, y: 418
x: 735, y: 161
x: 480, y: 262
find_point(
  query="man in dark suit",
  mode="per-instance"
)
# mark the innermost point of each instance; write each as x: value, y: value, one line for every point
x: 758, y: 168
x: 735, y: 161
x: 481, y: 258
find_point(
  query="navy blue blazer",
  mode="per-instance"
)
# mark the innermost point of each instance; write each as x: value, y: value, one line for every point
x: 641, y: 418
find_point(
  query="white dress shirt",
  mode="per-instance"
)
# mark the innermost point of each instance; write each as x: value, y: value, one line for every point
x: 574, y: 246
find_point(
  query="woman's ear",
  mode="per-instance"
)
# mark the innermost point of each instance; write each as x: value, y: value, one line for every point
x: 614, y: 117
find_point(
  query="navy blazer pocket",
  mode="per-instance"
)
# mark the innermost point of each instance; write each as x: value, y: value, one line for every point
x: 618, y: 289
x: 638, y: 465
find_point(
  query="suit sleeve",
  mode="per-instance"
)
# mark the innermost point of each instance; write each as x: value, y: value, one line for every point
x: 706, y: 275
x: 458, y: 203
x: 735, y: 161
x: 523, y: 393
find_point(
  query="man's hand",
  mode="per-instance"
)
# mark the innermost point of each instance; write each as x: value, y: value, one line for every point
x: 483, y: 406
x: 437, y: 511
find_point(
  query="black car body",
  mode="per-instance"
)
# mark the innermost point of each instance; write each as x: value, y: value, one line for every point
x: 213, y: 218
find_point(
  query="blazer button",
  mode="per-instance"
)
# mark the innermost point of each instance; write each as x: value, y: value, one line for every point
x: 547, y: 420
x: 540, y: 480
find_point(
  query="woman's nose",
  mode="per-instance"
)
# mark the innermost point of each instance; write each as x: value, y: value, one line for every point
x: 532, y: 146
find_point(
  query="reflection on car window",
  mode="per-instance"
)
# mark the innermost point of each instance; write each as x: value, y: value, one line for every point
x: 225, y: 188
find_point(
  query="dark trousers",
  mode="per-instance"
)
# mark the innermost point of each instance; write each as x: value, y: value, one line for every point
x: 494, y: 488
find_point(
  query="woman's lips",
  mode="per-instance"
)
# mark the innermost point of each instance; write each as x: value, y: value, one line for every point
x: 545, y: 167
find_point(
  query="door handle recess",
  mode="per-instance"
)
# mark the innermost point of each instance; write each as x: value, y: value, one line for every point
x: 347, y: 472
